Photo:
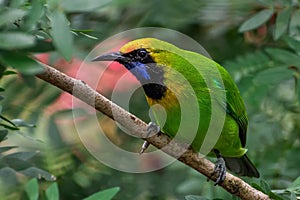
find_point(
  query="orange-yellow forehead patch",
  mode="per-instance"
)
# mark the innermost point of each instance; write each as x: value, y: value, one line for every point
x: 136, y: 44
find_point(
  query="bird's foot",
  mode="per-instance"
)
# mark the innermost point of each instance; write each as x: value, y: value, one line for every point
x: 144, y: 147
x: 220, y: 168
x: 151, y: 129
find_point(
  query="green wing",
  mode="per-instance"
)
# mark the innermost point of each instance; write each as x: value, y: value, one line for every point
x: 235, y: 106
x: 236, y: 109
x: 234, y: 103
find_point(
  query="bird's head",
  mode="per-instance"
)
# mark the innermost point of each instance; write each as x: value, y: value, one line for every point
x: 146, y: 59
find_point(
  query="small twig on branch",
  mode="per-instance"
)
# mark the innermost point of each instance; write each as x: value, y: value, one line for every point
x: 82, y: 91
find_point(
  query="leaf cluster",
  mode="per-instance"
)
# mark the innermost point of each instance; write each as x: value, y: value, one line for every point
x: 52, y: 192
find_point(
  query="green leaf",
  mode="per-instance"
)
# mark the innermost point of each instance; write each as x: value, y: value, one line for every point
x: 52, y: 192
x: 233, y: 197
x: 62, y: 36
x: 286, y: 2
x: 295, y: 185
x: 29, y: 80
x: 195, y: 197
x: 274, y: 196
x: 9, y: 72
x: 273, y: 76
x: 256, y: 20
x: 7, y: 120
x: 8, y: 177
x: 294, y: 23
x: 293, y: 196
x: 284, y: 56
x: 22, y: 123
x: 38, y: 173
x: 88, y: 36
x: 7, y: 148
x: 293, y: 43
x: 13, y: 128
x: 41, y: 46
x: 36, y: 11
x: 32, y: 189
x: 256, y: 186
x: 82, y: 6
x: 298, y: 90
x: 15, y: 40
x: 265, y: 186
x: 11, y: 16
x: 16, y: 163
x: 104, y: 194
x: 22, y: 63
x: 266, y: 2
x: 3, y: 134
x: 22, y: 155
x: 282, y: 22
x: 17, y: 3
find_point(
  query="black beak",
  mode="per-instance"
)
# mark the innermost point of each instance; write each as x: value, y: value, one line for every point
x: 114, y: 56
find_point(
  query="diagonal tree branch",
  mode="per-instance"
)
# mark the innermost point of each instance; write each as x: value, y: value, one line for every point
x: 82, y: 91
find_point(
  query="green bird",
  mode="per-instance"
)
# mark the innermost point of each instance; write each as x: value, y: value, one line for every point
x: 175, y: 79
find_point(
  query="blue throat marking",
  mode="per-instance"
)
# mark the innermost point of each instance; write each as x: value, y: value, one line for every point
x: 150, y: 76
x: 139, y: 70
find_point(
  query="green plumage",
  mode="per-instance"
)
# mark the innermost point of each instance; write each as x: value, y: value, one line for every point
x: 199, y: 101
x: 210, y: 82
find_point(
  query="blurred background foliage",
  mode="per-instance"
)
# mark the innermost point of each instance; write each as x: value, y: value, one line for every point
x: 257, y: 41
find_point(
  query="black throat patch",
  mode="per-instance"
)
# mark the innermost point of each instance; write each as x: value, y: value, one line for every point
x: 155, y: 87
x: 149, y: 73
x: 154, y: 91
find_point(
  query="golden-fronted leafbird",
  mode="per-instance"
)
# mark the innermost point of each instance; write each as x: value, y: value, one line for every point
x: 168, y: 74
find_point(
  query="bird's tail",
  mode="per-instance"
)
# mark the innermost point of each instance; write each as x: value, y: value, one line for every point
x: 242, y: 166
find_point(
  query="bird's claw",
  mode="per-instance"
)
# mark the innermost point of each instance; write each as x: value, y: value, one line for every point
x: 144, y: 147
x: 220, y: 169
x: 151, y: 129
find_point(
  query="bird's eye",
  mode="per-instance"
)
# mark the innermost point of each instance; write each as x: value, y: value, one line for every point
x: 142, y: 53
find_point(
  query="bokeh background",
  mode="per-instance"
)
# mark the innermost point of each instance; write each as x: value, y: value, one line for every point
x: 42, y: 156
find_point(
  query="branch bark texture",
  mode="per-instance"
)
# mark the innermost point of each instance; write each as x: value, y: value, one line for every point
x: 82, y: 91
